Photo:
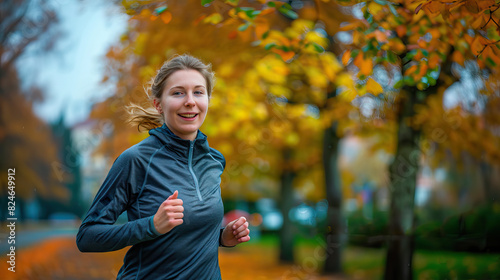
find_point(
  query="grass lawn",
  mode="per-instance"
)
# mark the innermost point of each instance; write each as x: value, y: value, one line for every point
x: 368, y: 263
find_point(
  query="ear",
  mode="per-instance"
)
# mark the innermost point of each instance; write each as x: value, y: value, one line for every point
x: 157, y: 105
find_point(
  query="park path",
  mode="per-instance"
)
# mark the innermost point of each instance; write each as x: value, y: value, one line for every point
x: 59, y: 259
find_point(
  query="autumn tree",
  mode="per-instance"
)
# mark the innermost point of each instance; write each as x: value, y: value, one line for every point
x: 415, y: 44
x: 26, y: 141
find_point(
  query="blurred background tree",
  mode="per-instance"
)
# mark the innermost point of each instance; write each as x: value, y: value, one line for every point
x: 419, y: 46
x: 26, y: 142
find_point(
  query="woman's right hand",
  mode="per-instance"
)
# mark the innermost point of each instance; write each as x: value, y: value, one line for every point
x: 169, y: 214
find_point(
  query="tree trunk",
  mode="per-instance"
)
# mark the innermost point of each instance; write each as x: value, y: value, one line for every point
x: 333, y: 261
x: 403, y: 173
x: 486, y: 173
x: 286, y: 204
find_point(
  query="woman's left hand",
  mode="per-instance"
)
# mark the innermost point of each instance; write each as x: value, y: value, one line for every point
x: 236, y: 232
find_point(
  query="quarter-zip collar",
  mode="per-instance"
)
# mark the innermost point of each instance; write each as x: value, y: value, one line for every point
x: 166, y: 136
x: 191, y: 149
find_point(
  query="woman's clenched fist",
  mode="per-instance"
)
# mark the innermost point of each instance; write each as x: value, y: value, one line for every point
x: 169, y: 214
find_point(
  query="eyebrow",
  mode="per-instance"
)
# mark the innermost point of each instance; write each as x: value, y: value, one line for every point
x: 181, y: 87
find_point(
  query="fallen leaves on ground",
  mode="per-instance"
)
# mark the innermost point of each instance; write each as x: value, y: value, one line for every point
x: 59, y: 258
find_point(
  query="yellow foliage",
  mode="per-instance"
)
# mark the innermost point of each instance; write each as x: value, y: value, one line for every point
x: 213, y: 18
x: 302, y: 25
x: 331, y: 65
x: 260, y: 111
x: 225, y: 70
x: 373, y: 87
x: 292, y: 139
x: 276, y: 37
x: 272, y: 69
x: 280, y: 90
x: 374, y: 8
x: 316, y: 77
x: 316, y: 37
x: 140, y: 43
x: 146, y: 72
x: 295, y: 111
x: 346, y: 83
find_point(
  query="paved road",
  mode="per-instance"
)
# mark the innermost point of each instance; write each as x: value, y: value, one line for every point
x: 27, y: 235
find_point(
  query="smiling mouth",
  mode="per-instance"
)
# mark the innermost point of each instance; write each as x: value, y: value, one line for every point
x: 188, y: 116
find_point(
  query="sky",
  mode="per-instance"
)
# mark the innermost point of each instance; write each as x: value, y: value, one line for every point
x: 70, y: 75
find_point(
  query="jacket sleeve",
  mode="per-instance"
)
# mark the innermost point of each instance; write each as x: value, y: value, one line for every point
x: 98, y: 233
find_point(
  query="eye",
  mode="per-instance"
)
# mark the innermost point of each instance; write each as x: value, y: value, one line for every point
x: 198, y: 92
x: 177, y: 93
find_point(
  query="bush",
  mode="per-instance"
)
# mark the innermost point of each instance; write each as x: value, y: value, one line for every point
x: 472, y: 231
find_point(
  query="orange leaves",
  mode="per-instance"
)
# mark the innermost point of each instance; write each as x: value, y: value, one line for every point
x: 401, y: 30
x: 411, y: 70
x: 396, y: 45
x: 476, y: 46
x: 458, y: 57
x: 346, y: 57
x: 434, y: 8
x: 433, y: 60
x: 160, y: 12
x: 479, y: 22
x: 365, y: 65
x: 261, y: 27
x: 285, y: 55
x: 380, y: 36
x: 447, y: 127
x: 166, y: 17
x: 353, y: 25
x: 475, y: 6
x: 492, y: 53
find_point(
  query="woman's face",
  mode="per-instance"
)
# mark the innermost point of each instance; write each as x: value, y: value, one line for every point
x: 184, y: 103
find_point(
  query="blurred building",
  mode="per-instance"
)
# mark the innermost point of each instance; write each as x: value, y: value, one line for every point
x: 87, y: 135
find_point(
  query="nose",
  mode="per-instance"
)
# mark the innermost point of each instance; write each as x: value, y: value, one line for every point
x: 190, y: 100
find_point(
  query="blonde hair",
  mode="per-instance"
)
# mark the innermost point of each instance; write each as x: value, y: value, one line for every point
x: 149, y: 118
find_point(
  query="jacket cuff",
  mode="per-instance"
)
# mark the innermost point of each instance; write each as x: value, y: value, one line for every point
x: 152, y: 226
x: 220, y: 239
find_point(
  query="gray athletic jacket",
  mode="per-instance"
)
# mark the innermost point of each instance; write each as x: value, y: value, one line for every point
x: 141, y: 178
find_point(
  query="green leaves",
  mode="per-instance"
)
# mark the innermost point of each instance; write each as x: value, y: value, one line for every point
x: 286, y: 10
x: 206, y: 2
x: 392, y: 57
x: 243, y: 27
x: 270, y: 46
x: 318, y: 47
x: 160, y: 10
x: 249, y: 12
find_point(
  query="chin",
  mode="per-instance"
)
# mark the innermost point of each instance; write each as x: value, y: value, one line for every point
x: 189, y: 130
